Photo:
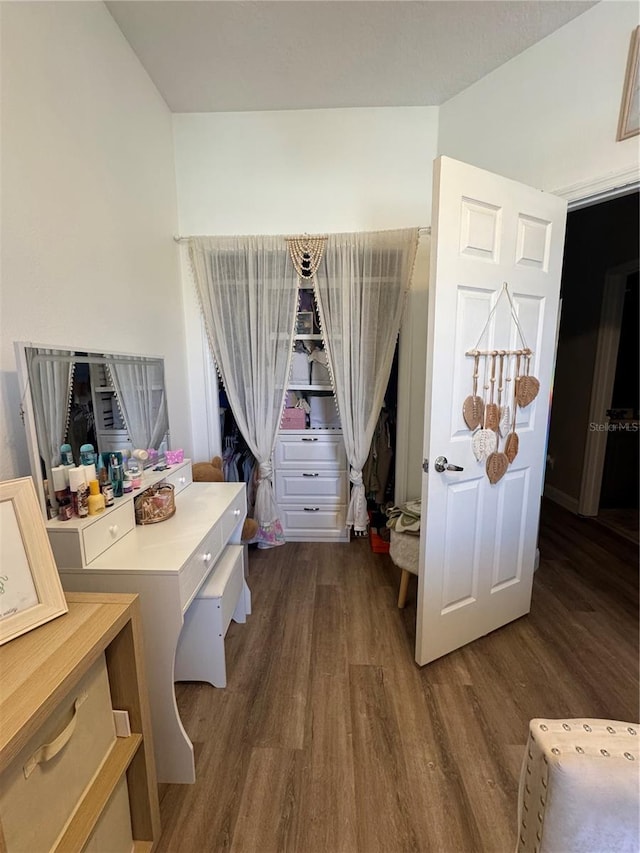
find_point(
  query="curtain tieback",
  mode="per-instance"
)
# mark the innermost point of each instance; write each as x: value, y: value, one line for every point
x: 265, y: 471
x: 355, y: 477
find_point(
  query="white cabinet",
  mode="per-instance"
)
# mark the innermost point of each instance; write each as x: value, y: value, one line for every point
x: 311, y: 483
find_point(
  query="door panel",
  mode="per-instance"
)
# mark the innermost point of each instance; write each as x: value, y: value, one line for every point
x: 478, y: 540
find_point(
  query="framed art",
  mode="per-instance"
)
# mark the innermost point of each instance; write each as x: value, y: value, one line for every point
x: 629, y: 122
x: 30, y: 588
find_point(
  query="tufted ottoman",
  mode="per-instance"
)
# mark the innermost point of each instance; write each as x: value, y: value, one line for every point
x: 579, y: 788
x: 404, y: 550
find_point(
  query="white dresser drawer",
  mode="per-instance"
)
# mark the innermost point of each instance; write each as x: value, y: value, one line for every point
x: 180, y: 478
x: 233, y: 514
x: 313, y: 520
x: 199, y: 565
x: 311, y: 486
x: 113, y: 833
x: 40, y: 790
x: 311, y: 451
x: 107, y: 530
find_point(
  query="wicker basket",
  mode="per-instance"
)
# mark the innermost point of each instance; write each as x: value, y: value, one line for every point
x: 157, y: 503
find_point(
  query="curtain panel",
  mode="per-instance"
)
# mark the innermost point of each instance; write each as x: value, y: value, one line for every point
x: 54, y: 381
x: 360, y: 291
x: 248, y: 292
x: 139, y: 388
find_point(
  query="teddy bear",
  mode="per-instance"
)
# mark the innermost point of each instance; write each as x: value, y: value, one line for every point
x: 211, y: 472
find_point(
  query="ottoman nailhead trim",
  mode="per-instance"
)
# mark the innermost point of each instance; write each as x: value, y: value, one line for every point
x: 629, y: 756
x: 566, y: 727
x: 611, y: 730
x: 631, y: 731
x: 544, y: 728
x: 580, y: 750
x: 555, y: 750
x: 604, y: 752
x: 586, y: 727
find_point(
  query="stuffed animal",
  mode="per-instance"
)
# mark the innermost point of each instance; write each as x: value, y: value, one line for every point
x: 211, y: 472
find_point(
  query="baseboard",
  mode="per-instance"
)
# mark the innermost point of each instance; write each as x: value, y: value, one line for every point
x: 561, y: 498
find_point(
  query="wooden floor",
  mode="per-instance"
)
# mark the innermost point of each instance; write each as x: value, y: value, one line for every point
x: 329, y: 738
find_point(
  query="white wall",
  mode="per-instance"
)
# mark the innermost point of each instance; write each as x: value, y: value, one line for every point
x: 311, y: 171
x: 549, y: 117
x: 88, y: 204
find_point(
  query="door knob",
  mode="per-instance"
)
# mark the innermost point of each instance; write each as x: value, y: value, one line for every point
x: 441, y: 465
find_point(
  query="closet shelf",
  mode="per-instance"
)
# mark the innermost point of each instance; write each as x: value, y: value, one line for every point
x: 301, y: 386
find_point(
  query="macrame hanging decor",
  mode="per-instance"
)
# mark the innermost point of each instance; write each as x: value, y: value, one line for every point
x: 306, y: 254
x: 486, y: 417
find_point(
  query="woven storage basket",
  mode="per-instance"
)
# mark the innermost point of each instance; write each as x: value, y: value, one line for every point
x: 157, y: 503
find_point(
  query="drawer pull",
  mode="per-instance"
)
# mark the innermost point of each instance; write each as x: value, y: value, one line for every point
x: 182, y: 479
x: 206, y: 557
x: 113, y: 530
x: 236, y: 512
x: 312, y: 509
x: 310, y: 475
x: 309, y: 439
x: 48, y: 751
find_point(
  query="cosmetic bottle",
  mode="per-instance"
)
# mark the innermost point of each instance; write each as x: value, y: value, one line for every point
x: 87, y: 455
x: 66, y: 455
x: 76, y: 479
x: 96, y: 501
x: 117, y: 477
x: 83, y: 500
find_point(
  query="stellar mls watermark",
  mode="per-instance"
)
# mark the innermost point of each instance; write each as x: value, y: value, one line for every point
x: 623, y: 426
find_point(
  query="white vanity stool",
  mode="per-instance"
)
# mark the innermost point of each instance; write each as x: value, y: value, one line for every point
x: 200, y: 655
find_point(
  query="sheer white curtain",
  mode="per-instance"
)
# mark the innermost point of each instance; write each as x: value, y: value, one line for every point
x: 360, y: 291
x: 139, y: 386
x: 51, y: 377
x: 248, y: 292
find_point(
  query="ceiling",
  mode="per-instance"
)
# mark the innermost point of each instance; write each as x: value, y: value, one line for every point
x: 229, y: 55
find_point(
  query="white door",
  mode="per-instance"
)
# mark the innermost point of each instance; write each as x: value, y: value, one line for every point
x: 478, y: 541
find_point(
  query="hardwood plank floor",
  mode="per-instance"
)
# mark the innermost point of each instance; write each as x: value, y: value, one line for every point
x: 329, y: 738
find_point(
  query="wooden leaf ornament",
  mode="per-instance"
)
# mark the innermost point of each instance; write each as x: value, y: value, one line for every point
x: 527, y: 390
x: 472, y: 411
x: 491, y: 416
x: 511, y: 446
x: 497, y: 464
x: 483, y: 443
x: 505, y: 421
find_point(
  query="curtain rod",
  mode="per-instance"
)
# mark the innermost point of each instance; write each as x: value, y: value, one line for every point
x: 424, y: 229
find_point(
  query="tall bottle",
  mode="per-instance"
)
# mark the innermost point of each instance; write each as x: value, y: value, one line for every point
x: 105, y: 483
x: 117, y: 476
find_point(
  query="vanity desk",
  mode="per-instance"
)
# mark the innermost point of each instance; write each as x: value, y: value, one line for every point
x: 166, y: 564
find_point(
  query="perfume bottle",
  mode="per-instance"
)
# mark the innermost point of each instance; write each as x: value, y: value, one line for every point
x: 117, y: 475
x: 96, y: 500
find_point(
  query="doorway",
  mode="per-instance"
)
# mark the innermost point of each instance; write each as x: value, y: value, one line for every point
x: 601, y: 257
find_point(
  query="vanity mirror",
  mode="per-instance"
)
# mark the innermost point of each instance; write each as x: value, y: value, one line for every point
x: 112, y: 401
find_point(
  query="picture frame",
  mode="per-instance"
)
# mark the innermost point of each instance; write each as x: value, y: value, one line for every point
x: 629, y: 121
x: 30, y: 588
